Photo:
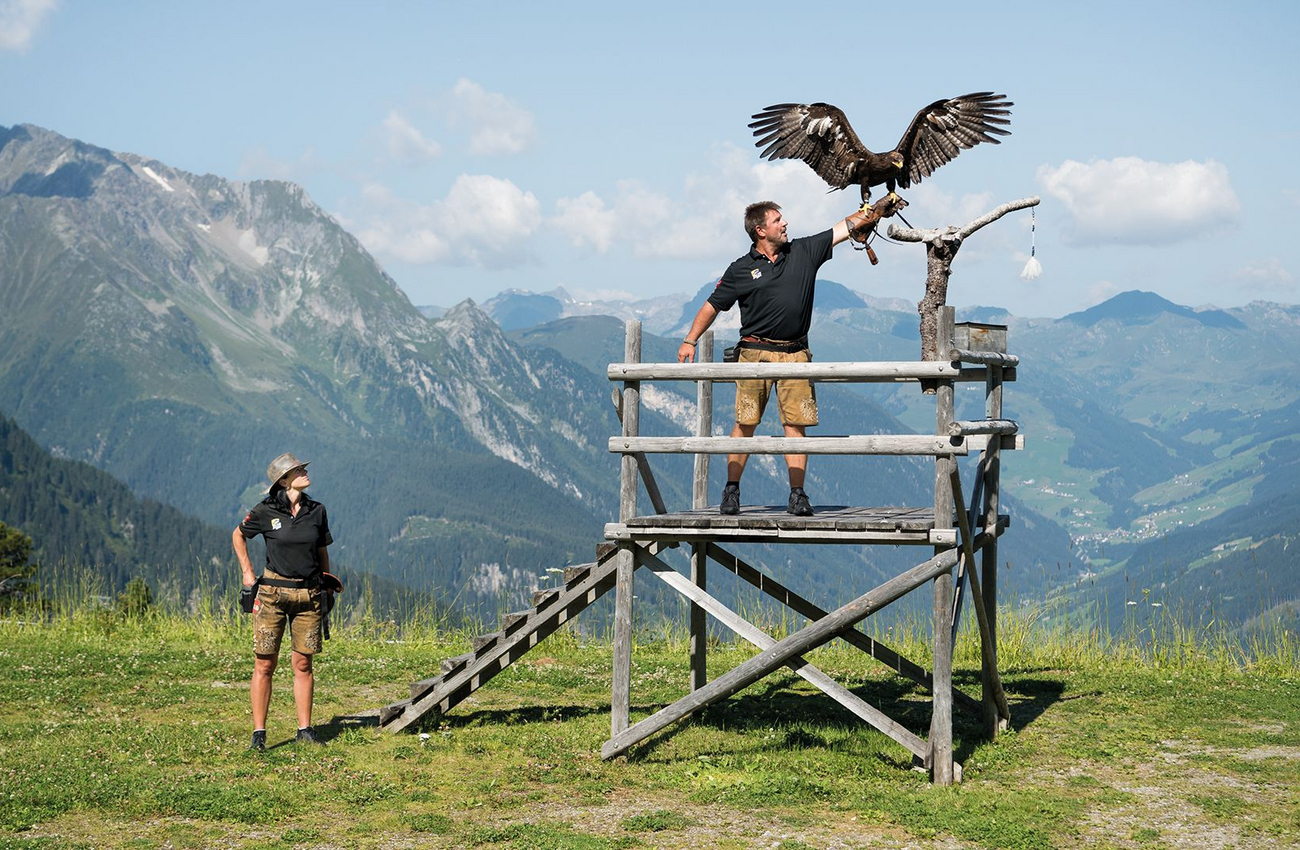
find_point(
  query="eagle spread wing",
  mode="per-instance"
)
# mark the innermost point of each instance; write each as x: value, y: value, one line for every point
x: 943, y: 129
x: 820, y: 135
x: 817, y: 133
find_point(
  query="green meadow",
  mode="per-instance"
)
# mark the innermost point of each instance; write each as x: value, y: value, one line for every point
x: 124, y: 730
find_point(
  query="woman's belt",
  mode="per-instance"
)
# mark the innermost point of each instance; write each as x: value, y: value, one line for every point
x: 782, y: 346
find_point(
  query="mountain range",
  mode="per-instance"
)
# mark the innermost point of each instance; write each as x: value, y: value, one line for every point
x: 178, y: 330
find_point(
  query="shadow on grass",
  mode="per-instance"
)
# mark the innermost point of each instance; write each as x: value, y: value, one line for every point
x: 783, y: 699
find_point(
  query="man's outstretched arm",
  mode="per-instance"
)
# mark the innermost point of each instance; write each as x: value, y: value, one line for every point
x: 859, y: 224
x: 703, y: 319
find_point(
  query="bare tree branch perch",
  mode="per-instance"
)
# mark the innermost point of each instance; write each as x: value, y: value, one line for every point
x: 941, y: 246
x: 903, y: 234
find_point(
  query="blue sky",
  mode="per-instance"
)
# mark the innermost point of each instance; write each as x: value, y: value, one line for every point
x: 606, y: 150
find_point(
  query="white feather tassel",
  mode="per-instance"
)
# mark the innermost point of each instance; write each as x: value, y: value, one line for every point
x: 1033, y: 269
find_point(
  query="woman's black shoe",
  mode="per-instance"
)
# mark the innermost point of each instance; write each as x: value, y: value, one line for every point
x: 259, y: 741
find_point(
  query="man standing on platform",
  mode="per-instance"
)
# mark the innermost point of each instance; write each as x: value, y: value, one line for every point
x: 774, y: 284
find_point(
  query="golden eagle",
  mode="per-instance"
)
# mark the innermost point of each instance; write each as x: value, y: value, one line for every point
x: 820, y: 135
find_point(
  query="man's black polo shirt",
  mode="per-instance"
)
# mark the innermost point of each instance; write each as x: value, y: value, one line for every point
x: 776, y: 299
x: 291, y: 542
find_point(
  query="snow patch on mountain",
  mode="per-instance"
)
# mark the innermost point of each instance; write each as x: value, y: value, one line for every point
x: 152, y: 175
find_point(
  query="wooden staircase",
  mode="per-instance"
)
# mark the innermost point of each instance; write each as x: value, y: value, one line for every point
x: 494, y: 652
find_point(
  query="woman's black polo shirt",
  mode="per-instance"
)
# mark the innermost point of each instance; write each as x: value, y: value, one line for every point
x: 291, y: 542
x: 776, y: 299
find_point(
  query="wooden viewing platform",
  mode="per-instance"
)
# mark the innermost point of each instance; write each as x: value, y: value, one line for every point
x: 976, y: 355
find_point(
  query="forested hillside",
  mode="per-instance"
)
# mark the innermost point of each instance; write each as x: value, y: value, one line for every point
x: 82, y: 519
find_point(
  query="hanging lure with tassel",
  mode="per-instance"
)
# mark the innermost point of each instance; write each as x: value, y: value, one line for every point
x: 1033, y: 269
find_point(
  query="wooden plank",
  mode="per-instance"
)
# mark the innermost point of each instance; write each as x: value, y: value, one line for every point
x: 512, y: 621
x: 543, y: 598
x: 483, y: 642
x: 963, y: 427
x: 941, y: 755
x: 982, y: 442
x: 851, y: 636
x: 422, y: 687
x: 864, y: 444
x: 865, y: 371
x: 718, y: 532
x: 851, y: 701
x: 812, y: 635
x: 455, y: 665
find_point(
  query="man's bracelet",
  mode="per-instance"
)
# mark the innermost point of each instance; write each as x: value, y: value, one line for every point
x: 688, y: 342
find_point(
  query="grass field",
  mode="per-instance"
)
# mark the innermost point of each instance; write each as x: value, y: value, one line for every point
x: 121, y: 732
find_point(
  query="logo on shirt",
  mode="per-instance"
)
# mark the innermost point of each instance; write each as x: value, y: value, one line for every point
x: 275, y: 524
x: 755, y: 273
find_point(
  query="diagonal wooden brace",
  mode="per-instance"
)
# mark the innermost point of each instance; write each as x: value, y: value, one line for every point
x: 851, y: 701
x: 809, y: 637
x: 851, y: 636
x: 977, y: 597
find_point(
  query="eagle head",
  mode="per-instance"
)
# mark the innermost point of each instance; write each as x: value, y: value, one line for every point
x: 896, y: 160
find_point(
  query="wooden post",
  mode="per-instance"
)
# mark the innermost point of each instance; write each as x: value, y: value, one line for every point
x: 700, y: 499
x: 941, y: 719
x: 989, y: 557
x: 620, y: 701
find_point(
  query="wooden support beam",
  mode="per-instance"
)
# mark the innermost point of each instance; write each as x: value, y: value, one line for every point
x: 977, y: 600
x: 866, y: 444
x: 812, y: 635
x: 866, y: 371
x: 851, y: 701
x: 941, y: 761
x: 620, y: 689
x: 698, y: 624
x: 851, y: 636
x: 987, y: 358
x: 962, y: 427
x: 989, y: 549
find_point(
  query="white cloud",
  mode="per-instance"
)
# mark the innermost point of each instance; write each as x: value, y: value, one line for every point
x: 1267, y: 275
x: 1138, y: 202
x: 586, y: 221
x: 497, y: 126
x: 704, y: 220
x: 19, y: 20
x: 407, y: 144
x: 481, y: 222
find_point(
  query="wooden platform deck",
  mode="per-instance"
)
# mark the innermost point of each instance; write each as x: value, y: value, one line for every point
x: 759, y: 523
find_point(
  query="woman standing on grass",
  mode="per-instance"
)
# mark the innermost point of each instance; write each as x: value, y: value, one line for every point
x: 296, y: 531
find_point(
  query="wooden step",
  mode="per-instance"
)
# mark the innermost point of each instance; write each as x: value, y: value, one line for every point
x: 482, y: 643
x: 575, y: 574
x: 422, y: 687
x: 604, y: 550
x: 511, y: 622
x: 543, y: 598
x: 451, y: 666
x: 389, y: 712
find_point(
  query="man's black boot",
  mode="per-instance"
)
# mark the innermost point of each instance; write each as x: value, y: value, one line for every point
x: 307, y: 735
x: 730, y: 499
x: 799, y: 505
x: 259, y: 741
